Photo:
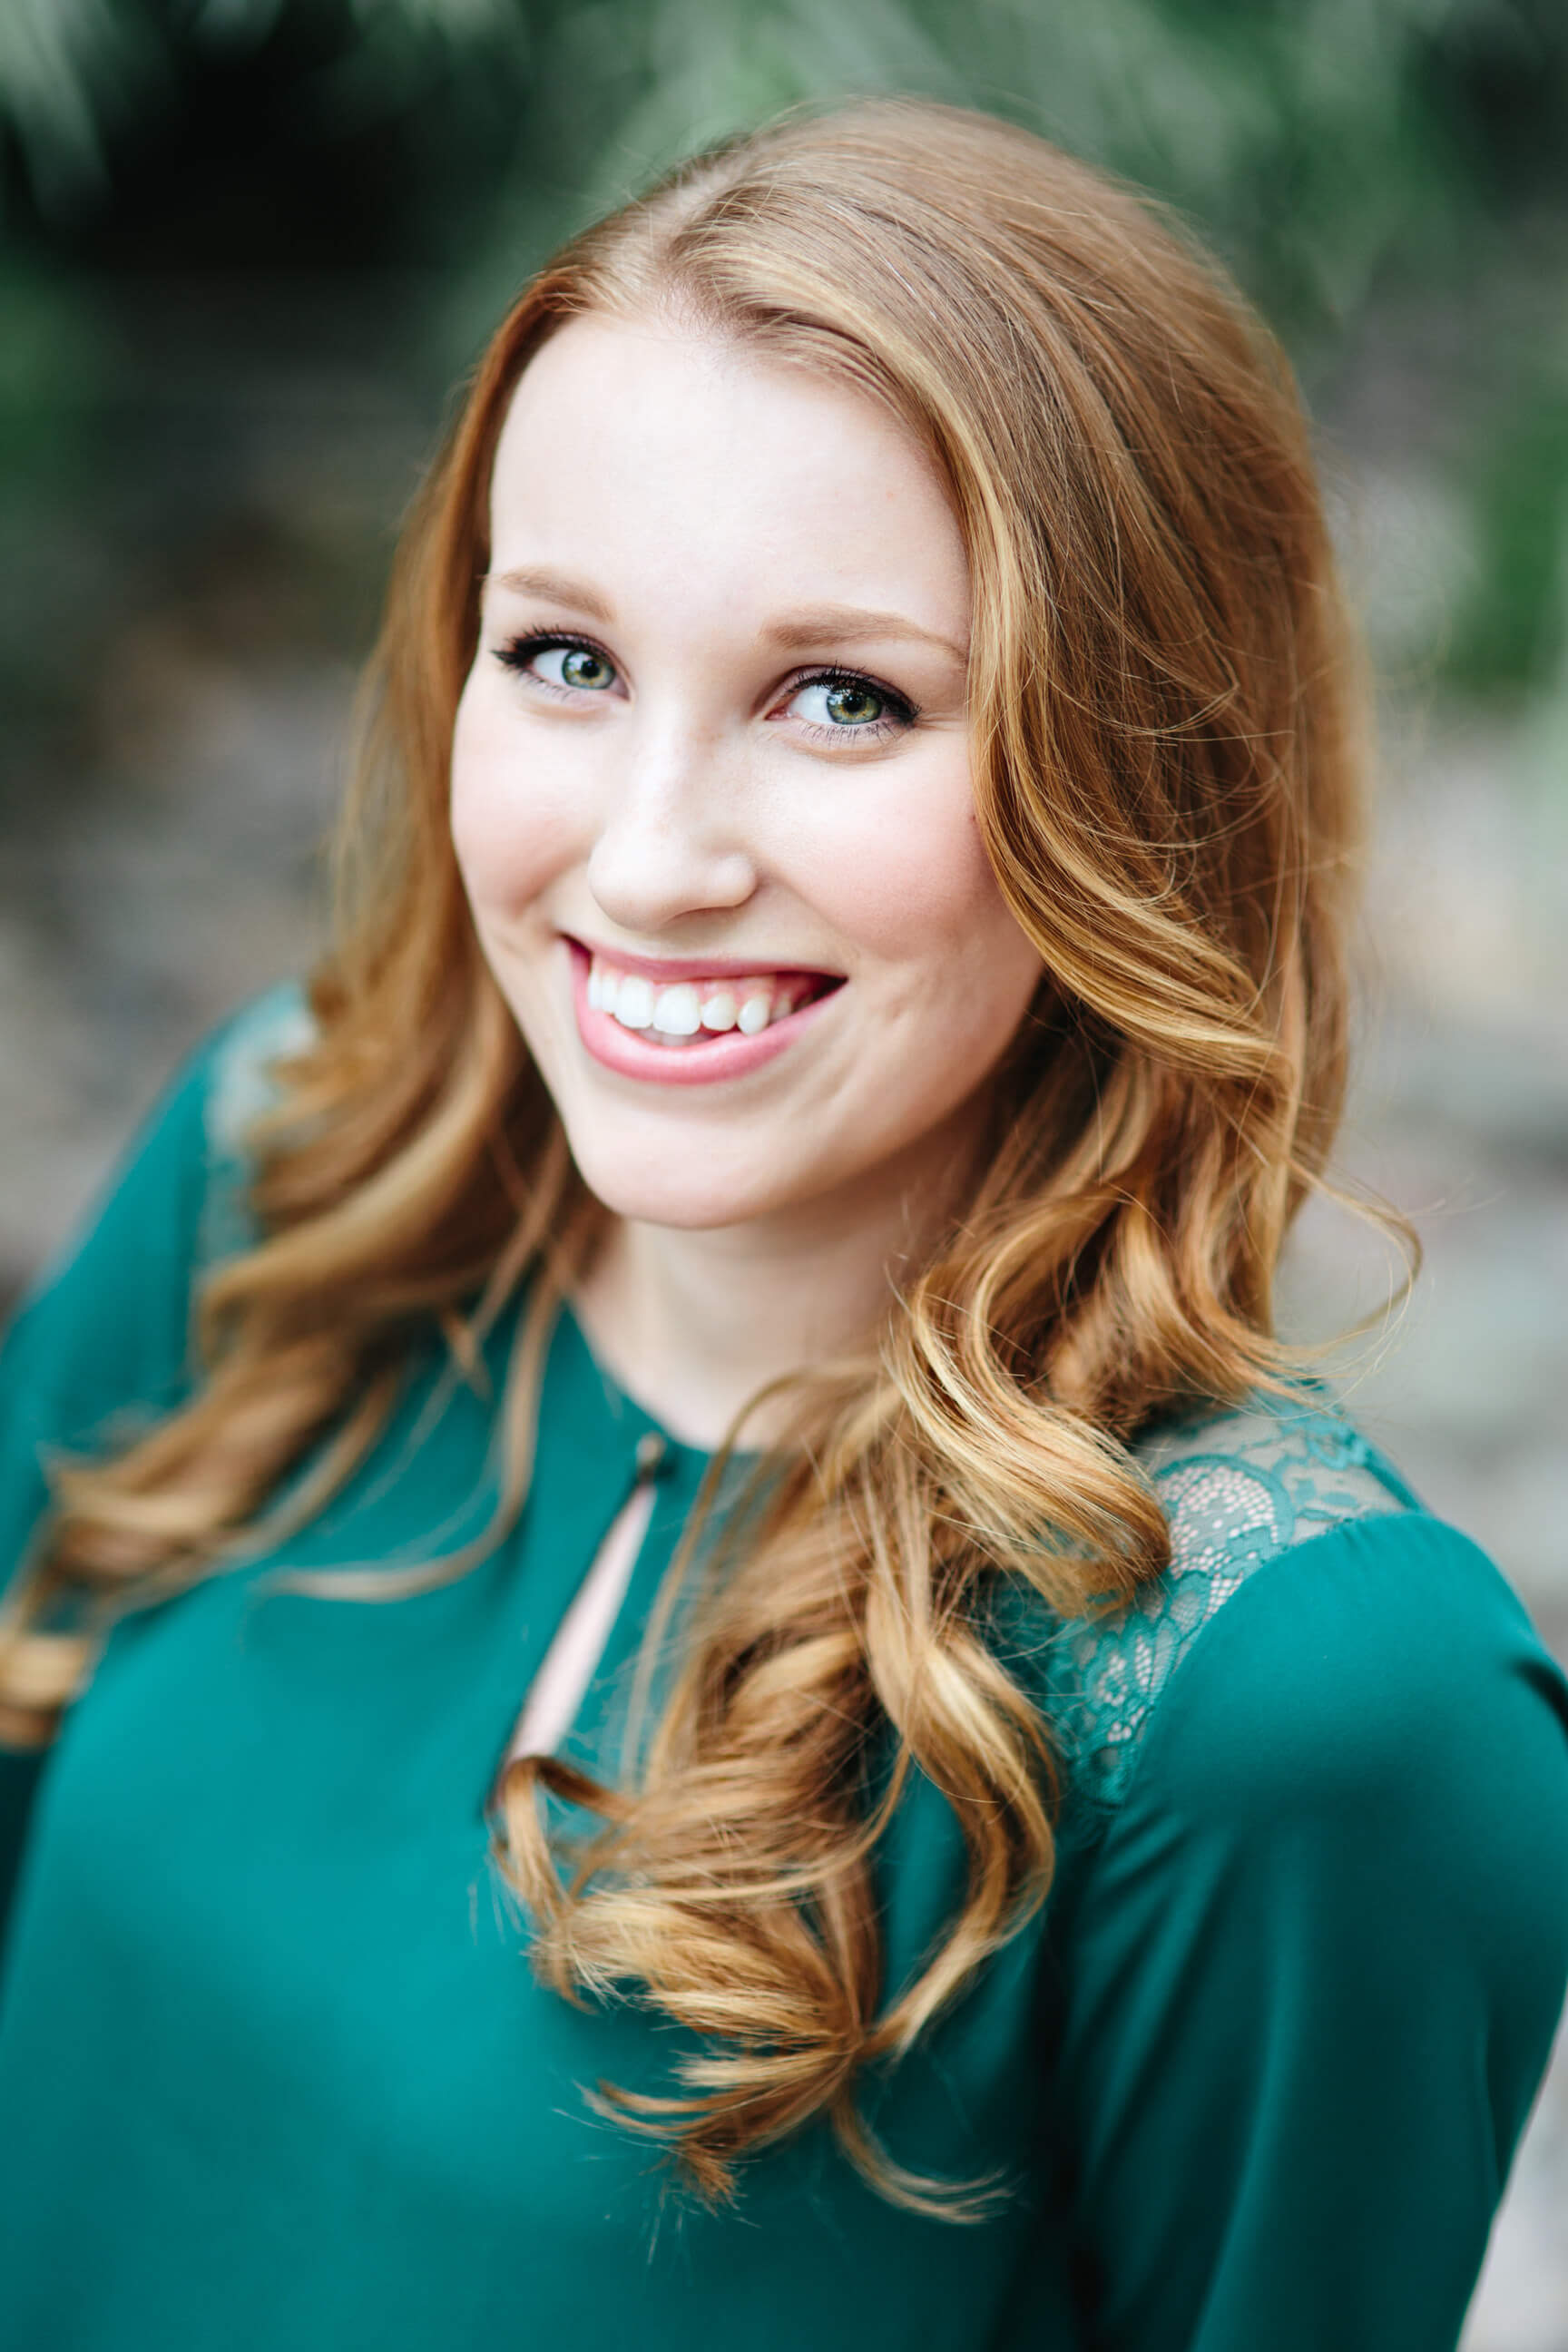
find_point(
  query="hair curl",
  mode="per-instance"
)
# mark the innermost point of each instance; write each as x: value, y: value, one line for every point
x: 1168, y: 725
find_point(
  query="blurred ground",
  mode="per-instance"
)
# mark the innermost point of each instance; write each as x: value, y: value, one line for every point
x: 160, y: 864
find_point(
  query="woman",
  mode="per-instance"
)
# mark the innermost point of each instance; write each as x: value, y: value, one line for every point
x: 753, y: 1261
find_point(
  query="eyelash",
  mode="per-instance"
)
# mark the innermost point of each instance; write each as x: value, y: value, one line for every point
x: 900, y: 711
x: 519, y: 652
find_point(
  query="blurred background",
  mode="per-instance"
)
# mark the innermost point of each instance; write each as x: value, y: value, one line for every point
x: 246, y: 246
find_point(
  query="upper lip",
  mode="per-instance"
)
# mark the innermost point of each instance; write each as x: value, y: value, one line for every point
x: 674, y: 968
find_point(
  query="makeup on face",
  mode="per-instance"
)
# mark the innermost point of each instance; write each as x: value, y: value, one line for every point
x: 711, y: 789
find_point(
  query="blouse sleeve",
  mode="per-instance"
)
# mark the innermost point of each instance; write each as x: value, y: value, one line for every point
x: 103, y: 1341
x: 1313, y: 1967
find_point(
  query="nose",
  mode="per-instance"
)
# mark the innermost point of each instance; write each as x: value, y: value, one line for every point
x: 669, y: 839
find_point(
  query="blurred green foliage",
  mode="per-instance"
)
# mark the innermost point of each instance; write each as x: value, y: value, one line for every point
x: 1343, y: 153
x: 1312, y: 137
x: 1511, y: 628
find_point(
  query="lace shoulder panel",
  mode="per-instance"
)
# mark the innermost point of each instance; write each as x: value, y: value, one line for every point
x: 241, y: 1086
x: 1238, y: 1488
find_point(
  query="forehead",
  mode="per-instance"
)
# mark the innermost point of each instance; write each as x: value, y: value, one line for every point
x: 686, y: 463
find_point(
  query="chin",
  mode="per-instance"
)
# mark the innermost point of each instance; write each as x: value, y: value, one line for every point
x: 686, y: 1198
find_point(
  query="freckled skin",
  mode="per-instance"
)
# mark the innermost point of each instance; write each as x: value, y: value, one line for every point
x: 703, y: 494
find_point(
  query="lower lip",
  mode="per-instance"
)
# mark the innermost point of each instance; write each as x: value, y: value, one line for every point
x: 728, y: 1054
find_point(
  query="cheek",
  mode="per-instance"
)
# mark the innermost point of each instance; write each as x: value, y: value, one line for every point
x: 513, y: 823
x: 906, y: 877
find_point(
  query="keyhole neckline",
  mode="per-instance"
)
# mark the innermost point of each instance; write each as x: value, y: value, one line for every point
x: 655, y: 1452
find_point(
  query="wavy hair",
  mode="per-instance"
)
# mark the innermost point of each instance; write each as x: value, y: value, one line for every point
x: 1168, y: 723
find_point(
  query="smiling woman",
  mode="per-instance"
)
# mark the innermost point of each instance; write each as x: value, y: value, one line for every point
x: 756, y: 1250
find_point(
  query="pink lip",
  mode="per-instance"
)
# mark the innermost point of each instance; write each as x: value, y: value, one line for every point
x: 727, y: 1056
x: 670, y: 969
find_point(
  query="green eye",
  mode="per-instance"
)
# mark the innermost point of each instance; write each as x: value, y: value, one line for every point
x: 846, y: 702
x: 852, y: 704
x: 557, y: 663
x: 579, y: 667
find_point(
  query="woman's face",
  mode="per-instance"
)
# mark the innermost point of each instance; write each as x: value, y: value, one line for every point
x: 711, y: 786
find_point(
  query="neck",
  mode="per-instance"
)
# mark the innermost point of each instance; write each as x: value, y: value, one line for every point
x: 694, y: 1324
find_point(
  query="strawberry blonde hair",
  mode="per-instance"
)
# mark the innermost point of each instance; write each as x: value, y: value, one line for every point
x: 1167, y: 729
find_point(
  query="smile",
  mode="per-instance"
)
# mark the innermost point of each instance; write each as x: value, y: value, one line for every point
x: 679, y: 1012
x: 686, y: 1023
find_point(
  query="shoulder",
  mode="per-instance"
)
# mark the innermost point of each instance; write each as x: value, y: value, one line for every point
x: 177, y: 1179
x: 106, y: 1328
x: 1310, y: 1933
x: 1380, y: 1681
x: 1332, y: 1719
x: 238, y: 1070
x: 1317, y: 1635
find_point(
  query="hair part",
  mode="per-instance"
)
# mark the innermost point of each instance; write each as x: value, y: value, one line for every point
x: 1167, y: 717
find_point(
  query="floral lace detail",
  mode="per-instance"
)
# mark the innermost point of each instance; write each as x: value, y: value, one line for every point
x: 241, y: 1088
x: 1238, y: 1489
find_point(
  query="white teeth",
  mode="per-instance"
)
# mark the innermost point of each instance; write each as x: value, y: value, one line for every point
x: 632, y: 1007
x: 682, y: 1011
x: 675, y: 1010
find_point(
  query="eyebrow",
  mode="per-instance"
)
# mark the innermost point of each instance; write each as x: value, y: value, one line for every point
x: 555, y: 588
x: 847, y: 624
x: 816, y: 625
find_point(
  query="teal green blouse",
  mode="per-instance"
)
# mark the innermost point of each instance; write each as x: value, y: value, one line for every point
x: 275, y: 2073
